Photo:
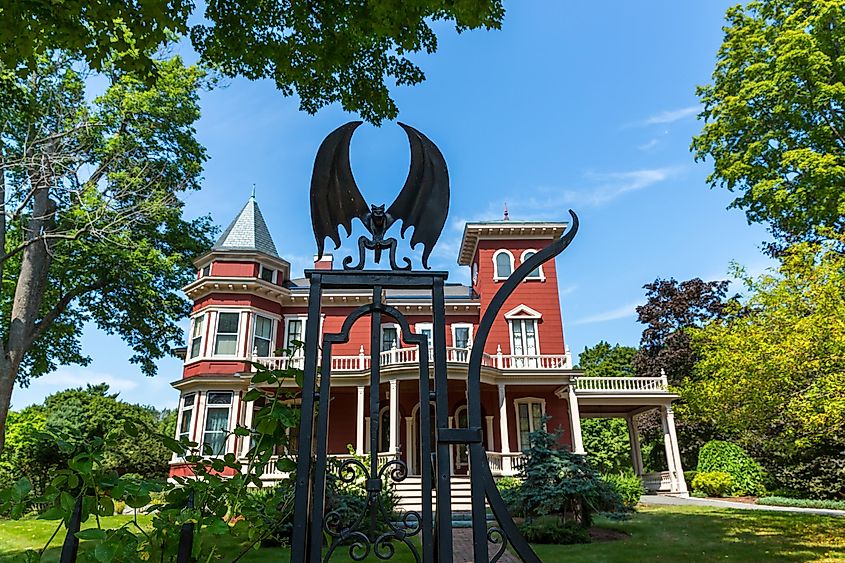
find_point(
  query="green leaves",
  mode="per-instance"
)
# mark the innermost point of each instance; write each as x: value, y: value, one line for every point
x: 774, y: 125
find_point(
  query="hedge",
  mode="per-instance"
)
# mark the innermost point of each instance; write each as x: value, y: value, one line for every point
x: 802, y: 503
x: 729, y: 458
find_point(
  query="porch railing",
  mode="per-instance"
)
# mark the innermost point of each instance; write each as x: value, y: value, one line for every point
x: 657, y: 482
x: 585, y: 385
x: 410, y: 355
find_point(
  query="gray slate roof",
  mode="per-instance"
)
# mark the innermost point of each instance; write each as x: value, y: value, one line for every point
x: 247, y: 232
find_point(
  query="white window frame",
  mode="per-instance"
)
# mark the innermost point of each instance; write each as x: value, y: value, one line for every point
x: 238, y: 335
x: 398, y: 340
x: 540, y: 275
x: 287, y: 320
x: 496, y: 276
x: 273, y: 325
x: 203, y: 329
x: 524, y: 313
x: 227, y: 432
x: 529, y: 401
x: 273, y: 275
x: 456, y: 326
x: 183, y: 409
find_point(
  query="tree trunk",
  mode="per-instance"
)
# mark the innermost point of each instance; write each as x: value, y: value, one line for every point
x: 29, y: 290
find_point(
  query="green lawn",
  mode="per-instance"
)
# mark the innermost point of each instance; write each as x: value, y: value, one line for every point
x: 656, y: 533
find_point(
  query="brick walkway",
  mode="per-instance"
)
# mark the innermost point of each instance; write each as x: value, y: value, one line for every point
x: 462, y: 544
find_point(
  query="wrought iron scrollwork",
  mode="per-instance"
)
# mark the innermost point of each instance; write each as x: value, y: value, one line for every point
x: 360, y: 537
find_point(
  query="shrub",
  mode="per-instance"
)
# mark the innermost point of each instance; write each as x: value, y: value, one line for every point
x: 802, y: 503
x: 556, y: 482
x: 689, y: 476
x: 553, y: 531
x: 509, y: 489
x: 713, y: 483
x: 747, y: 475
x: 628, y: 486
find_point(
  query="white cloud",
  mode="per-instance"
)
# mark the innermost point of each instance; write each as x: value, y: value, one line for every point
x: 668, y: 116
x: 69, y: 377
x: 627, y: 310
x: 648, y: 145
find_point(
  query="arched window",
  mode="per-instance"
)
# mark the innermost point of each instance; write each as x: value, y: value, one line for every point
x: 503, y: 262
x: 537, y: 273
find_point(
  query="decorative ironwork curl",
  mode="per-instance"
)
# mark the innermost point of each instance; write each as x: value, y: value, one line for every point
x: 496, y: 535
x: 362, y: 544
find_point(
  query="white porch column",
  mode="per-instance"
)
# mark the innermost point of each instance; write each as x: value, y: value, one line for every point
x: 636, y: 450
x: 670, y: 454
x: 394, y: 416
x: 575, y: 421
x: 676, y: 451
x: 359, y: 423
x: 489, y: 421
x: 452, y: 449
x: 410, y: 450
x: 246, y: 441
x: 504, y: 432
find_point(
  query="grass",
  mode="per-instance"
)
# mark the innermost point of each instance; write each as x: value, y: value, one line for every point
x: 698, y: 533
x: 656, y: 533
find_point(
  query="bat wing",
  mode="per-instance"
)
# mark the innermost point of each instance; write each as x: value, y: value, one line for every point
x: 335, y: 197
x: 423, y: 202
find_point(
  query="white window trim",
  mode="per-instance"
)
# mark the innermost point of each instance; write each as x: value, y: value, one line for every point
x: 273, y: 277
x: 273, y: 329
x: 205, y: 322
x: 496, y: 276
x: 228, y: 443
x: 523, y: 312
x: 182, y: 409
x: 536, y: 334
x: 456, y: 326
x: 529, y: 401
x: 239, y: 341
x: 287, y: 320
x: 398, y: 335
x: 522, y: 259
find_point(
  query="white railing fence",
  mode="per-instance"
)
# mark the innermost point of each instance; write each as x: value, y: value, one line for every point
x: 410, y: 355
x: 657, y: 482
x: 635, y: 384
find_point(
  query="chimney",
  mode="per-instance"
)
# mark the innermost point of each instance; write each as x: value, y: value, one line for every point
x: 324, y: 263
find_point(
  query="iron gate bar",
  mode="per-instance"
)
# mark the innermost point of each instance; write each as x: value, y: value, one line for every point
x: 302, y: 506
x: 441, y: 411
x: 482, y: 482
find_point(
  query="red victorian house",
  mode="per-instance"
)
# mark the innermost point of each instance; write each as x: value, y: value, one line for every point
x: 247, y: 305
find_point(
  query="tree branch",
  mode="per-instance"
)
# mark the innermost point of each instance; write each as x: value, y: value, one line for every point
x: 61, y: 306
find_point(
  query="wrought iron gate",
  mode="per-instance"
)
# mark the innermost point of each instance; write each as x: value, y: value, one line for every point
x: 423, y: 205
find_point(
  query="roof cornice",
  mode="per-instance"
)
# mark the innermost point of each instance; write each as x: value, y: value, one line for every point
x: 475, y: 232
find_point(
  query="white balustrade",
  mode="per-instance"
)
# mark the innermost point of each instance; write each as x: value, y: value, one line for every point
x: 657, y: 482
x: 623, y: 384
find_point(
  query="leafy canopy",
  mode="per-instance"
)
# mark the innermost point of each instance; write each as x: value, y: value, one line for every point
x: 772, y: 373
x: 775, y: 115
x: 324, y: 52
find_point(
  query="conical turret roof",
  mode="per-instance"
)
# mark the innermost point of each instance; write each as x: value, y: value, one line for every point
x: 248, y: 232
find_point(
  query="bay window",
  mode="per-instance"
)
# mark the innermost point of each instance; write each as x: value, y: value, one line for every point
x: 217, y: 411
x: 186, y: 416
x: 226, y: 338
x: 262, y: 336
x: 196, y: 337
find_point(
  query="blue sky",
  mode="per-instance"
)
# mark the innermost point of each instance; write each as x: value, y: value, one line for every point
x: 588, y: 105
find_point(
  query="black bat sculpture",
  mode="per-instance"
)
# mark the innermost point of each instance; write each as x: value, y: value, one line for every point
x: 336, y: 200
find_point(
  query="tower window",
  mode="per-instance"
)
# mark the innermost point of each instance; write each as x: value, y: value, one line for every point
x: 267, y: 274
x: 262, y: 336
x: 196, y: 337
x: 536, y: 273
x: 226, y: 340
x: 503, y: 262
